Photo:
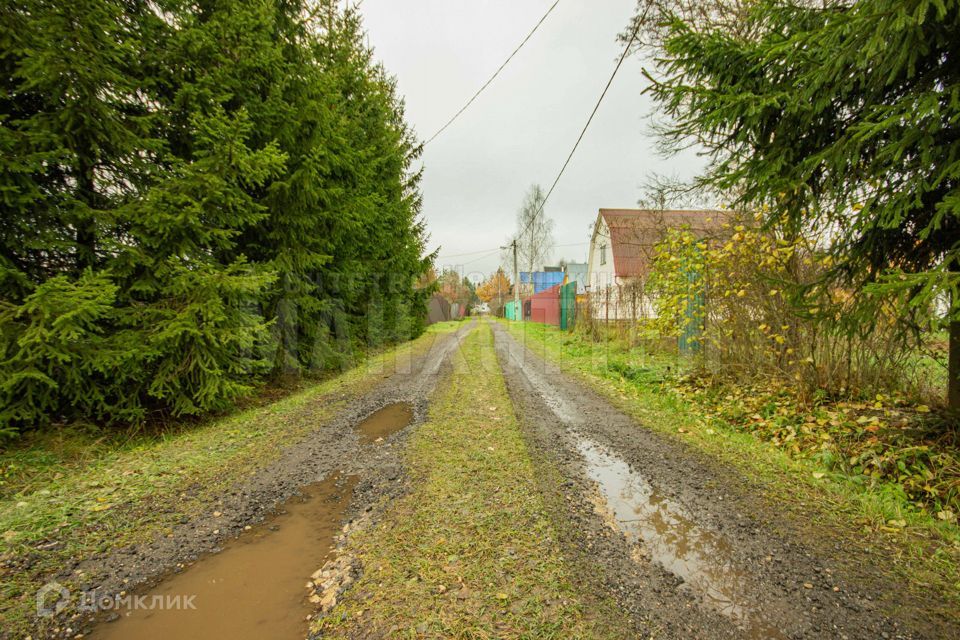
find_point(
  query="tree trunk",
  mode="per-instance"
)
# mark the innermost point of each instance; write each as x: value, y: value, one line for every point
x: 953, y: 385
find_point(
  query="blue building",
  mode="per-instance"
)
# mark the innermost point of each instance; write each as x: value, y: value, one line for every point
x: 542, y: 280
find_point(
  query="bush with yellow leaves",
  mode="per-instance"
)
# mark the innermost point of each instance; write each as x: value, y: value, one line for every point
x: 753, y: 303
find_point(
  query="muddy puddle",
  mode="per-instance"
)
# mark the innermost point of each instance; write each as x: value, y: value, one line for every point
x: 255, y: 588
x: 669, y: 538
x: 385, y: 421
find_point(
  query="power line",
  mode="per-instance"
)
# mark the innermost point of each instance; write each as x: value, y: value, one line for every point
x: 623, y: 56
x: 468, y: 253
x: 488, y: 255
x: 576, y: 144
x: 496, y: 73
x: 491, y: 254
x: 493, y: 250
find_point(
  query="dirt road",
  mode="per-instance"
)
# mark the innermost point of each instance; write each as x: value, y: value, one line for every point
x: 682, y: 546
x: 690, y: 548
x: 334, y: 448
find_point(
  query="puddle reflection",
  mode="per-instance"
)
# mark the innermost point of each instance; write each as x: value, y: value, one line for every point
x: 385, y: 421
x: 254, y: 588
x: 702, y: 558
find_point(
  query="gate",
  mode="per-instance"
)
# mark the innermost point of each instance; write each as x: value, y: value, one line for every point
x: 568, y: 305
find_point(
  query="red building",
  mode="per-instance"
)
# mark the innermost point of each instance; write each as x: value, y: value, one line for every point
x: 544, y: 307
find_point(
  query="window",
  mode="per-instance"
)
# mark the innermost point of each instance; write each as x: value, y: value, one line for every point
x: 603, y: 254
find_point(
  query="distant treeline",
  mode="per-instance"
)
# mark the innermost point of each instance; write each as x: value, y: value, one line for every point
x: 194, y: 196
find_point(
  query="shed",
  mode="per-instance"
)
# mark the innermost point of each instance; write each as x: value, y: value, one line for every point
x: 545, y: 306
x: 438, y: 309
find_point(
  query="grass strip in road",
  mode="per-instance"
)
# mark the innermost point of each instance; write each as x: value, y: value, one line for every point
x: 469, y: 552
x: 72, y: 496
x: 925, y: 553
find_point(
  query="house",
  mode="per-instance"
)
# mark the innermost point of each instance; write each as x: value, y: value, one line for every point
x: 622, y: 248
x: 542, y: 280
x: 577, y: 272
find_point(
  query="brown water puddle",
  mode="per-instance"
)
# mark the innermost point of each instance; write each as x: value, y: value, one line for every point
x: 385, y: 421
x: 702, y: 558
x: 255, y: 587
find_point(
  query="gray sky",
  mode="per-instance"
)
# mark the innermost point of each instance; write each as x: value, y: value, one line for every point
x: 520, y: 130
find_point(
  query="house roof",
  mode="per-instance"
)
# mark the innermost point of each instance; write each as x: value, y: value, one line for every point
x: 635, y: 232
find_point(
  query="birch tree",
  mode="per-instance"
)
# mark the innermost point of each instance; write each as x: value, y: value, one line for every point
x: 534, y: 231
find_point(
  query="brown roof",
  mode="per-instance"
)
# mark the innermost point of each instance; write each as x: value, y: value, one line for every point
x: 635, y: 232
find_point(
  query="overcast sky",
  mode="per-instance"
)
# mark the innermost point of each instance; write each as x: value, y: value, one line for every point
x: 520, y: 130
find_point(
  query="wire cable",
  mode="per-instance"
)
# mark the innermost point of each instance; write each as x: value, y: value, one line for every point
x: 495, y: 74
x: 623, y: 56
x: 488, y: 255
x: 468, y: 253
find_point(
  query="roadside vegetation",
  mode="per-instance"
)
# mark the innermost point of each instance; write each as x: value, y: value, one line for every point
x: 858, y: 401
x: 820, y: 326
x: 836, y: 136
x: 72, y: 493
x: 196, y: 197
x: 470, y: 551
x: 832, y: 464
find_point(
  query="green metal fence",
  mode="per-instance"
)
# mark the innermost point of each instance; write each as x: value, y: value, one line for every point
x: 568, y: 305
x: 690, y: 338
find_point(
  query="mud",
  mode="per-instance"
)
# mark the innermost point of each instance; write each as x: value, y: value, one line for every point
x: 253, y: 588
x: 753, y: 551
x: 334, y: 447
x: 686, y: 546
x: 665, y: 535
x: 384, y: 422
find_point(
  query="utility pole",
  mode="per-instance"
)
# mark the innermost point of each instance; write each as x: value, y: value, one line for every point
x: 516, y: 283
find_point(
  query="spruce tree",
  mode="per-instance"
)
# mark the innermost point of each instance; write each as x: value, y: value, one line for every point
x: 194, y: 195
x: 842, y: 117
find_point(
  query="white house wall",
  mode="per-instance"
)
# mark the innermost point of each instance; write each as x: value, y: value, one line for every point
x: 610, y: 296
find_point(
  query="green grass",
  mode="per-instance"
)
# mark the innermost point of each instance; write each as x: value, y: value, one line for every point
x: 92, y: 491
x: 470, y: 552
x: 925, y: 552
